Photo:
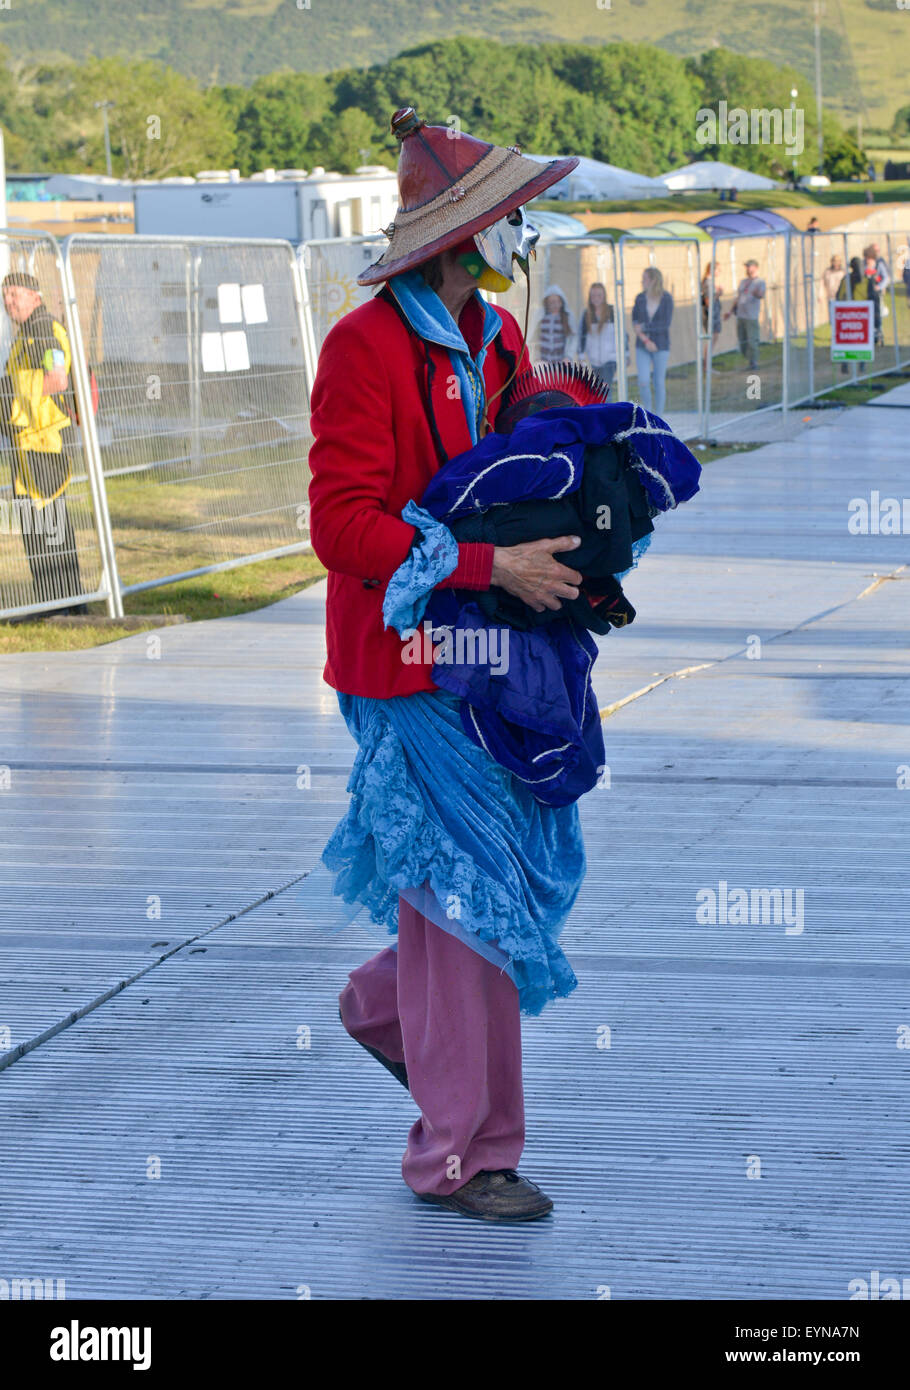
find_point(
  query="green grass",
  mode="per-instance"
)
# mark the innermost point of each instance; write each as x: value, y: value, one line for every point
x: 710, y: 452
x: 865, y: 391
x: 676, y: 203
x: 165, y: 525
x: 219, y: 595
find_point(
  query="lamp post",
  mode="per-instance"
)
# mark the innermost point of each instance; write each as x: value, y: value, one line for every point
x: 818, y: 84
x: 103, y: 107
x: 793, y: 95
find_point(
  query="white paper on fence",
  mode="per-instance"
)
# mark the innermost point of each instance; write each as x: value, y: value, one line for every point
x: 236, y: 352
x: 254, y: 310
x: 212, y: 353
x: 229, y: 310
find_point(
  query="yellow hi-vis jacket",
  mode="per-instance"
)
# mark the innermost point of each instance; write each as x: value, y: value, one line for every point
x: 36, y: 420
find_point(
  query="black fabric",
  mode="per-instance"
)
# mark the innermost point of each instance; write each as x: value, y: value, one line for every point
x: 609, y: 512
x: 38, y: 332
x: 54, y: 567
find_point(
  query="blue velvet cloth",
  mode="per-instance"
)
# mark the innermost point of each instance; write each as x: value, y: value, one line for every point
x: 427, y: 804
x: 544, y: 457
x: 527, y: 696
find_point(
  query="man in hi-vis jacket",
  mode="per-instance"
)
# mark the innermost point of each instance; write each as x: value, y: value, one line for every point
x: 33, y: 392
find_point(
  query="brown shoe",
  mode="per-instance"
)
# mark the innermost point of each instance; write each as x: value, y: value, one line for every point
x: 398, y: 1069
x: 497, y: 1195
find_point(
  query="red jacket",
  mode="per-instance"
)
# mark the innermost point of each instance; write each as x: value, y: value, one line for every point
x: 383, y: 420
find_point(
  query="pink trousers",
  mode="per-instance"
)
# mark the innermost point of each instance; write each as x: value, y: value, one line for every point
x: 453, y: 1018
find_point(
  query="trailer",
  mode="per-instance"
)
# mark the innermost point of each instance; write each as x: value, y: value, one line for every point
x: 290, y: 205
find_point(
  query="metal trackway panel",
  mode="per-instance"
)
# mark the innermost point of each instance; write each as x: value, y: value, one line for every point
x: 175, y: 780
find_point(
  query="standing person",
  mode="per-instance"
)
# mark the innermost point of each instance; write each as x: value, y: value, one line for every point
x: 747, y: 308
x: 883, y: 279
x: 856, y: 285
x: 882, y: 269
x: 597, y: 334
x: 715, y: 314
x: 554, y: 328
x: 652, y: 314
x: 34, y: 392
x: 441, y: 844
x: 832, y: 278
x: 813, y: 227
x: 871, y: 272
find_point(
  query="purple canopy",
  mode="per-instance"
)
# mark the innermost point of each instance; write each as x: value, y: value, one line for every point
x: 746, y: 223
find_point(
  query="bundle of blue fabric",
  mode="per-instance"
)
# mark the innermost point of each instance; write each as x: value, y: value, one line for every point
x: 526, y: 690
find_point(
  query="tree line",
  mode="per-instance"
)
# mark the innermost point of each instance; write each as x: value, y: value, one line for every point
x: 629, y: 104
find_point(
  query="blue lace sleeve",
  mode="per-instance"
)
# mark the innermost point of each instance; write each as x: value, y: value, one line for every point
x: 428, y: 561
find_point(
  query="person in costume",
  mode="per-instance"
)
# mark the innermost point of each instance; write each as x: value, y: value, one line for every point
x: 561, y: 461
x: 470, y: 873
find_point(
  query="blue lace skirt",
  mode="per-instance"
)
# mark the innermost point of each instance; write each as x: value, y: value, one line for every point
x: 429, y: 806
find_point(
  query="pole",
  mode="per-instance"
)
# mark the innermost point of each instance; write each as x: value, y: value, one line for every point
x: 305, y: 311
x: 785, y: 353
x: 794, y: 93
x: 103, y: 107
x: 620, y: 316
x: 91, y: 448
x: 692, y: 253
x: 818, y: 84
x: 897, y: 337
x: 810, y: 290
x: 107, y: 144
x: 194, y: 350
x: 709, y: 343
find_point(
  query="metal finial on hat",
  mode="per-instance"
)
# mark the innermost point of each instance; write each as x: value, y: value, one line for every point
x: 405, y: 121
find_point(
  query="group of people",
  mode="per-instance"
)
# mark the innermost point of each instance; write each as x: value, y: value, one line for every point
x: 869, y: 277
x: 556, y: 338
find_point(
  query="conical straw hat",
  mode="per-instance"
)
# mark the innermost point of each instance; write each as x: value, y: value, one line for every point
x: 451, y: 186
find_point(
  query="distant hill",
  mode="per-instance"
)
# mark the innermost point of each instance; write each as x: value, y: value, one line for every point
x: 866, y: 43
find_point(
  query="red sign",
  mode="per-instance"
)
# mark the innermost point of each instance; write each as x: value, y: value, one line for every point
x: 852, y: 331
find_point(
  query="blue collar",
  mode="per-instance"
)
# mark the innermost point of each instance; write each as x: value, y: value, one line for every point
x: 430, y: 318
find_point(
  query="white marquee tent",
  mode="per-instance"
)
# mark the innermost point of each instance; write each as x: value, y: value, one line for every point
x: 712, y: 173
x: 593, y: 180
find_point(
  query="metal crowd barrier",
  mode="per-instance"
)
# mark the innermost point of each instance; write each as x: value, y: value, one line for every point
x: 710, y: 386
x: 198, y: 347
x: 55, y: 544
x: 328, y: 271
x: 200, y: 355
